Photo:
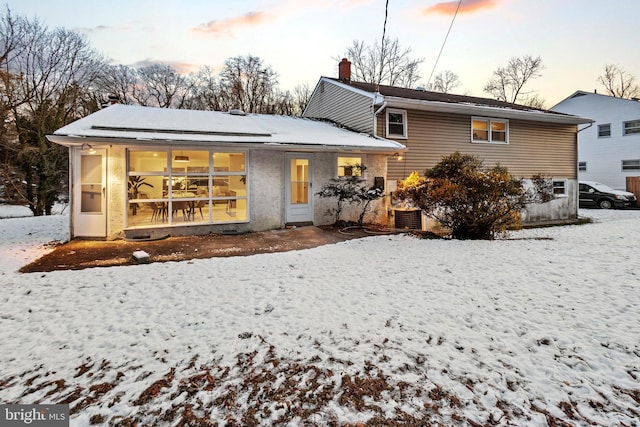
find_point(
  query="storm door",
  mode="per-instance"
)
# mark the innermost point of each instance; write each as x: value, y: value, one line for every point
x: 90, y: 194
x: 298, y: 193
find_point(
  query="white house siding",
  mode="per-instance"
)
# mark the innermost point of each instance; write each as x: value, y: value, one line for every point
x: 604, y: 155
x: 341, y: 105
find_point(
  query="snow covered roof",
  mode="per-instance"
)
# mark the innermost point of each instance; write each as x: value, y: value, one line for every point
x: 126, y: 123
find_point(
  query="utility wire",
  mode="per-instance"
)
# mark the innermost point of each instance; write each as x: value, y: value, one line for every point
x: 384, y: 31
x: 443, y: 43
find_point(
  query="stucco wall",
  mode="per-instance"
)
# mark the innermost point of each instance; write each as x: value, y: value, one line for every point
x: 266, y: 177
x: 116, y: 191
x: 325, y: 169
x: 560, y: 209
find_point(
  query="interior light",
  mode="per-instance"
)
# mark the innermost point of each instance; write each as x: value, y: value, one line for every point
x: 181, y: 158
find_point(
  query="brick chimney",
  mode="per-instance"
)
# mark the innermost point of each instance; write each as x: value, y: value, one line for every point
x: 344, y: 70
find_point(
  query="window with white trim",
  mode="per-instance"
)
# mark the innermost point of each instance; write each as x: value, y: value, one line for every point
x: 631, y: 165
x: 559, y: 187
x: 582, y: 166
x: 631, y: 128
x: 396, y: 123
x: 485, y: 130
x: 348, y: 166
x: 186, y: 187
x: 604, y: 131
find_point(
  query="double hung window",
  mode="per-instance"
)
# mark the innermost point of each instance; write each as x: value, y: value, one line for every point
x: 486, y: 130
x: 559, y: 187
x: 604, y: 131
x: 631, y: 128
x: 396, y: 123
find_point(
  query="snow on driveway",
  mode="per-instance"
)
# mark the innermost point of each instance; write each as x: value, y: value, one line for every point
x: 548, y: 319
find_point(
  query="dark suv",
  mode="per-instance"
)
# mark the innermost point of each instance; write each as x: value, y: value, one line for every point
x: 595, y: 194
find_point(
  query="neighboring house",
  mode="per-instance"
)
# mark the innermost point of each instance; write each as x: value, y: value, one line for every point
x: 142, y: 172
x: 525, y: 140
x: 609, y: 151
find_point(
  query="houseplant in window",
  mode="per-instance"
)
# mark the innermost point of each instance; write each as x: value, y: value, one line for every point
x: 133, y: 186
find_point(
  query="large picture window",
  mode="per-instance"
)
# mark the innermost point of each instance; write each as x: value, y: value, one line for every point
x: 182, y: 187
x: 486, y: 130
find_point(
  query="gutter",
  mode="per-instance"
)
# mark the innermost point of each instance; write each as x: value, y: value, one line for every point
x: 485, y: 111
x: 375, y: 116
x: 77, y: 140
x: 586, y: 127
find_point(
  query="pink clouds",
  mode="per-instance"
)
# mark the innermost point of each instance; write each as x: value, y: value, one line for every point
x: 467, y: 6
x: 226, y: 27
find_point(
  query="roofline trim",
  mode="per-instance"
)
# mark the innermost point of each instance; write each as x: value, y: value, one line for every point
x: 484, y: 110
x: 377, y: 97
x: 78, y: 140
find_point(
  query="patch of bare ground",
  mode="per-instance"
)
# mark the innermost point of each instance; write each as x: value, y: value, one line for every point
x: 81, y: 254
x: 262, y: 387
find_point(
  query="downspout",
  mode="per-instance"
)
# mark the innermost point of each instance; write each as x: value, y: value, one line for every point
x: 577, y: 196
x: 375, y: 115
x: 586, y: 127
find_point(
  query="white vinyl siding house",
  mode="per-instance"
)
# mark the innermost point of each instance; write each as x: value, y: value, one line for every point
x: 609, y: 148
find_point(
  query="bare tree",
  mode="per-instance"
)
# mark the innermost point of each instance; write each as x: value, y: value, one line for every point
x: 444, y: 82
x: 162, y: 86
x: 206, y: 91
x: 506, y: 83
x: 46, y: 81
x: 301, y: 96
x: 247, y: 83
x: 386, y: 63
x: 14, y: 36
x: 119, y: 81
x: 618, y: 82
x: 534, y: 101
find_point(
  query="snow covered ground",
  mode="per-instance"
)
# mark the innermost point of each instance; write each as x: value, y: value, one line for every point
x: 540, y: 328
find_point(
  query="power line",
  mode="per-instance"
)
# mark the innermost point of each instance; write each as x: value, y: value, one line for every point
x: 384, y: 31
x: 443, y: 42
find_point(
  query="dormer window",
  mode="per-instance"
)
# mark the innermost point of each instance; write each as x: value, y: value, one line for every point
x: 396, y: 123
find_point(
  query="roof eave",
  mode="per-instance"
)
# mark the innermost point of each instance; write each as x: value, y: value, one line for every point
x: 79, y: 140
x: 484, y: 110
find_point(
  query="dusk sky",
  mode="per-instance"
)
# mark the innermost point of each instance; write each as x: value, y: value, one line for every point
x: 299, y: 39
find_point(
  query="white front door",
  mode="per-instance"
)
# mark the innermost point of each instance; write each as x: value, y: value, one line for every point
x: 90, y: 190
x: 299, y: 197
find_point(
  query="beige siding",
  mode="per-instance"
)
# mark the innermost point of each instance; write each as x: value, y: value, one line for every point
x: 533, y: 148
x: 343, y: 106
